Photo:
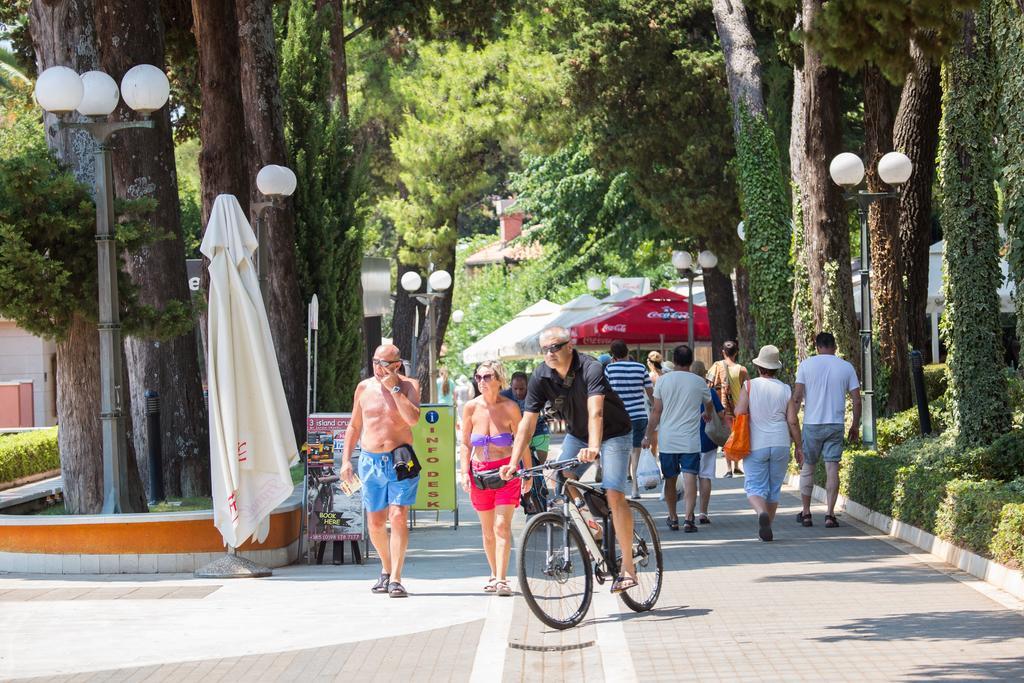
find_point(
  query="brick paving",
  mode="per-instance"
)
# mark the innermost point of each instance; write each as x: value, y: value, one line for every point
x: 836, y: 604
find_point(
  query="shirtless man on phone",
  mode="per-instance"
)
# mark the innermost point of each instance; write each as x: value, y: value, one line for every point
x: 384, y: 410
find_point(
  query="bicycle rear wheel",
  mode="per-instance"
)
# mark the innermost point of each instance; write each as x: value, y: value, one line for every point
x: 557, y: 581
x: 647, y: 558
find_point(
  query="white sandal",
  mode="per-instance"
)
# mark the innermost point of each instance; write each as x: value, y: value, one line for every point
x: 502, y: 589
x: 491, y: 585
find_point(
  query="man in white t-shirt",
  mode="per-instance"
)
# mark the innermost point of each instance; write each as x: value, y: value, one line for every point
x: 678, y: 396
x: 822, y: 383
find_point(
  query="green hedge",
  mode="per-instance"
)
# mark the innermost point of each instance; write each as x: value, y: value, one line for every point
x: 971, y: 512
x: 1003, y: 460
x: 28, y: 453
x: 1008, y: 542
x: 869, y: 479
x: 919, y: 490
x: 936, y: 380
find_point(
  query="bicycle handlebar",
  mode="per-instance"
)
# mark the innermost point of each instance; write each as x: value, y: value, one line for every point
x: 556, y: 466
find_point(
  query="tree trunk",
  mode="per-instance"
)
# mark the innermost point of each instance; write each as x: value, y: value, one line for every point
x: 63, y: 35
x: 264, y: 130
x: 131, y: 33
x: 916, y: 134
x: 339, y: 62
x: 803, y: 301
x: 766, y: 209
x: 746, y: 334
x: 886, y: 250
x: 721, y: 309
x: 825, y: 225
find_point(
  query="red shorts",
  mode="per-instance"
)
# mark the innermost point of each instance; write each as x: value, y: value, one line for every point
x: 488, y: 500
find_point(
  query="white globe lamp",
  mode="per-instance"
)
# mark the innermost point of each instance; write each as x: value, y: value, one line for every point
x: 846, y: 169
x: 59, y: 90
x: 457, y: 316
x: 895, y: 168
x: 272, y: 180
x: 100, y: 94
x: 707, y: 259
x: 411, y: 281
x: 682, y: 260
x: 145, y: 88
x: 291, y: 181
x: 741, y: 231
x: 439, y: 280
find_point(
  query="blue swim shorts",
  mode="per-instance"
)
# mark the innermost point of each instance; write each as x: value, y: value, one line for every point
x: 380, y: 483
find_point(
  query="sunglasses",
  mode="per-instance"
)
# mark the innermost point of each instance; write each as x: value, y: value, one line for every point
x: 553, y: 348
x: 384, y: 363
x: 484, y: 378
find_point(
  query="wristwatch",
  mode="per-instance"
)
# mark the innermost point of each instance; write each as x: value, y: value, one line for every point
x: 397, y: 389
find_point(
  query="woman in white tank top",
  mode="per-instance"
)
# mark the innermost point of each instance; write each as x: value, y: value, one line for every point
x: 766, y: 399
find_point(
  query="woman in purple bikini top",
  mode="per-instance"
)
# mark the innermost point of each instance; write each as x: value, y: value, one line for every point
x: 485, y: 441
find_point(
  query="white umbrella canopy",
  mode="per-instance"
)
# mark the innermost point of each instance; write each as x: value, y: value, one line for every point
x: 579, y: 309
x: 252, y: 444
x: 529, y: 320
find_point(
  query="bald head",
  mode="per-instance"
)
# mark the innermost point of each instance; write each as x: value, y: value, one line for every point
x: 387, y: 352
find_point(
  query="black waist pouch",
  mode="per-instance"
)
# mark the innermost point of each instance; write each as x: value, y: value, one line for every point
x: 488, y: 480
x: 407, y: 465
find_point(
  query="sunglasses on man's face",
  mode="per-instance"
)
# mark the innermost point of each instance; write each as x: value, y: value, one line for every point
x: 553, y: 348
x: 484, y: 378
x: 384, y: 363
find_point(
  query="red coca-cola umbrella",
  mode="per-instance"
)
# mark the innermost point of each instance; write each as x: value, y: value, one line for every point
x: 654, y: 318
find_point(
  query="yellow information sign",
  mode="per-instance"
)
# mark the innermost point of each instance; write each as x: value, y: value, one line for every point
x: 433, y: 439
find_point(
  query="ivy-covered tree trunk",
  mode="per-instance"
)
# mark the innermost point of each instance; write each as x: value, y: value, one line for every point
x: 265, y: 144
x: 916, y: 134
x: 887, y: 262
x: 762, y: 191
x: 746, y: 332
x: 825, y: 226
x: 144, y: 167
x: 972, y: 274
x: 1008, y: 39
x: 328, y: 240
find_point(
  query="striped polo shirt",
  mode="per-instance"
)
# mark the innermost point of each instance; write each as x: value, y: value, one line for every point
x: 628, y: 379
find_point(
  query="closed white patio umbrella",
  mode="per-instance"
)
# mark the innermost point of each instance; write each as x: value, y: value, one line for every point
x: 252, y: 444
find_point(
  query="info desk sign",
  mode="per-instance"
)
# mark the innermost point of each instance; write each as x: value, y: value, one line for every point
x: 331, y: 515
x: 433, y: 439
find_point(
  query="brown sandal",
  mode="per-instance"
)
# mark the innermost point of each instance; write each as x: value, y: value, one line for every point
x: 623, y: 583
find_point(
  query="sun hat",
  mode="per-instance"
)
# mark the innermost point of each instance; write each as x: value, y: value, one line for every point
x: 768, y: 358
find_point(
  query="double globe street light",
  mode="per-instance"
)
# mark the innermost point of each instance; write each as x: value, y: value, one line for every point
x: 683, y: 263
x: 847, y: 171
x: 145, y: 89
x: 274, y: 182
x: 438, y: 283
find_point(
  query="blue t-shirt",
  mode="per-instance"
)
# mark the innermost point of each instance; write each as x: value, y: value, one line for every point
x: 630, y: 379
x: 542, y: 424
x: 707, y: 444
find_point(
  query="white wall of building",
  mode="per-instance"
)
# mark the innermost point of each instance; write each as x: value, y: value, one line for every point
x: 24, y: 356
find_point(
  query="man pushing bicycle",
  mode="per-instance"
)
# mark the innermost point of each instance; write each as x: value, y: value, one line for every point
x: 597, y: 424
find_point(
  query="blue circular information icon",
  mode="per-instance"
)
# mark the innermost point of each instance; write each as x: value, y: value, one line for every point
x: 432, y: 416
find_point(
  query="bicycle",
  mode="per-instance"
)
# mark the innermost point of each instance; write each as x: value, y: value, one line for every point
x: 559, y: 557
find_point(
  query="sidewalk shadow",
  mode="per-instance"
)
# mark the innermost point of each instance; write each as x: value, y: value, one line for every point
x: 884, y: 575
x: 656, y: 614
x: 1007, y: 669
x: 987, y: 626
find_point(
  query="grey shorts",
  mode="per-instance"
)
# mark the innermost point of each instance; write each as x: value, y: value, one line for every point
x: 823, y: 442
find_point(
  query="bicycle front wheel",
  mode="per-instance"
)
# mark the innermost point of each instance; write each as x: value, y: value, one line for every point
x: 647, y: 558
x: 555, y: 577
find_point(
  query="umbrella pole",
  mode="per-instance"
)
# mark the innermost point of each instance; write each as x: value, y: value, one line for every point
x: 662, y: 337
x: 231, y: 565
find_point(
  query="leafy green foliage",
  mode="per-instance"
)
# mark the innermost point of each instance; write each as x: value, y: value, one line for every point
x: 28, y: 453
x: 972, y: 274
x: 1008, y: 542
x: 463, y: 20
x: 870, y: 479
x: 971, y: 512
x: 647, y: 81
x: 48, y: 249
x: 852, y: 32
x: 768, y: 236
x: 328, y: 239
x: 919, y: 489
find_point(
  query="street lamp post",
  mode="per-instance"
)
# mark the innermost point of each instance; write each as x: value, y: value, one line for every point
x: 273, y: 182
x: 438, y: 283
x: 847, y: 171
x: 683, y: 263
x: 95, y: 95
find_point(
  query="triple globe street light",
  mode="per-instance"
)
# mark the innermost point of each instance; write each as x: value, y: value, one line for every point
x: 95, y: 95
x: 847, y: 171
x: 438, y: 282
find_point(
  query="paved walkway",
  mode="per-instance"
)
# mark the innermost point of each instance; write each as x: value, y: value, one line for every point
x: 838, y: 604
x: 19, y: 495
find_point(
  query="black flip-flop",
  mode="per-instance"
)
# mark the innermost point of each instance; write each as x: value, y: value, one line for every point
x: 688, y: 526
x: 397, y: 590
x: 704, y: 520
x: 764, y: 527
x: 623, y: 583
